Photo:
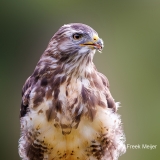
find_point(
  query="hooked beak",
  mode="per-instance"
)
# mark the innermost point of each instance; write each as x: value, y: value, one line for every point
x: 96, y: 43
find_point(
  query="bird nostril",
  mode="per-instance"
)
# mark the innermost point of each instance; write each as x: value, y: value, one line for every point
x: 95, y: 38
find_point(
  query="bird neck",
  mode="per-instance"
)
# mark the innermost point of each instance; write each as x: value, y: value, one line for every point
x: 77, y: 65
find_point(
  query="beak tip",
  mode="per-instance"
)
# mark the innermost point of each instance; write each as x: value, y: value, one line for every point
x: 99, y: 44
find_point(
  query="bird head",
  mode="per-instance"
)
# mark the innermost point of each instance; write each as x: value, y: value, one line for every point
x: 76, y: 39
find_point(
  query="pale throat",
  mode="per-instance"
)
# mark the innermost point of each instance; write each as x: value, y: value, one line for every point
x: 80, y: 66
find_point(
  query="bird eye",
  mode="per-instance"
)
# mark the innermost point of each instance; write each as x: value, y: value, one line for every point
x: 77, y: 36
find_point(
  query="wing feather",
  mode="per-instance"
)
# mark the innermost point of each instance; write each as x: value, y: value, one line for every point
x: 25, y: 96
x: 110, y: 101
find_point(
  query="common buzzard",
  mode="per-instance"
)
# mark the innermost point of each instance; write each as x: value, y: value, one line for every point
x: 67, y: 111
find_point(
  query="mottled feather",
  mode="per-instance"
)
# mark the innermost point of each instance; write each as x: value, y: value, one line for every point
x: 67, y: 110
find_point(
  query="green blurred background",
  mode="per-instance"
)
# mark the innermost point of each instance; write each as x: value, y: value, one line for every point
x: 130, y: 60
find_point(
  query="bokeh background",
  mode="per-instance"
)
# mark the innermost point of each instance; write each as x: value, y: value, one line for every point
x: 130, y: 60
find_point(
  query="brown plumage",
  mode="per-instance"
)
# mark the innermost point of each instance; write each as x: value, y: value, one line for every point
x: 67, y: 111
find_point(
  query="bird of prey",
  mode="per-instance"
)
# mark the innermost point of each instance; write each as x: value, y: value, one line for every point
x: 67, y: 111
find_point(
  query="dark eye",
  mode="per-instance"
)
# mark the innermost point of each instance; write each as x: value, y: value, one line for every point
x: 77, y: 36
